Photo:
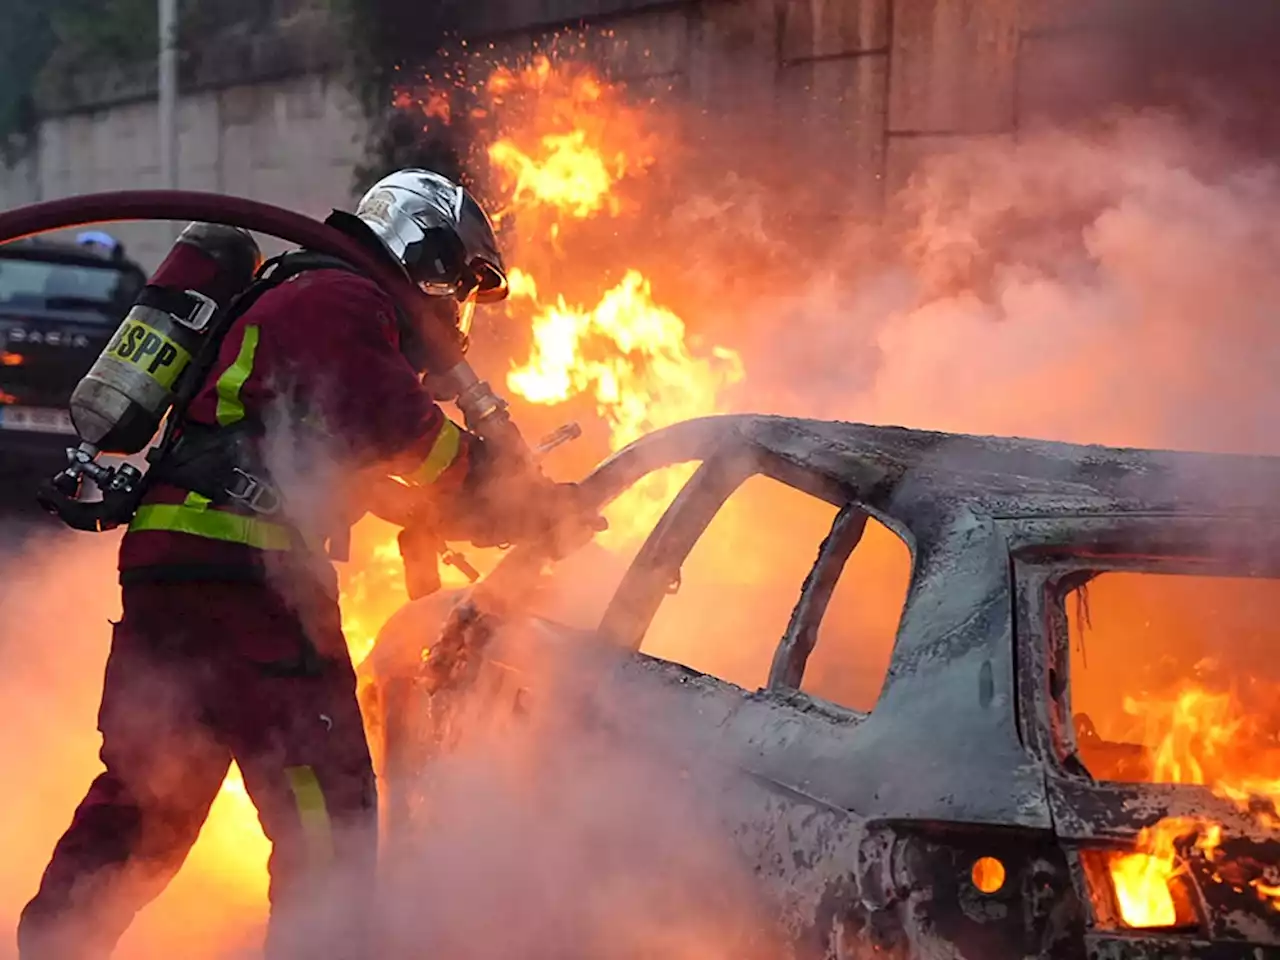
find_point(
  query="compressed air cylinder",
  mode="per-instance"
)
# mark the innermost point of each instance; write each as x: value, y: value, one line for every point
x: 121, y: 401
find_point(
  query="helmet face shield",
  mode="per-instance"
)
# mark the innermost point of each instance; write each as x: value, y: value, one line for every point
x: 466, y: 315
x: 458, y: 314
x: 437, y: 261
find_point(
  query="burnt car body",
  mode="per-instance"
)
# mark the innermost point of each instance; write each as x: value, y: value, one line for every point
x: 59, y: 305
x: 864, y: 827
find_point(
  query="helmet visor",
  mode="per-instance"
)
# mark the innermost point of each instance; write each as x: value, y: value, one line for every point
x: 466, y: 315
x: 453, y: 306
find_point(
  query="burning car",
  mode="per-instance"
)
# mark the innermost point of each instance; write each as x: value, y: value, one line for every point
x: 979, y: 808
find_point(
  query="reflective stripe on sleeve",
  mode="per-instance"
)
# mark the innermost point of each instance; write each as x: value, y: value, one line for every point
x: 317, y: 832
x: 230, y: 406
x: 193, y: 517
x: 443, y: 452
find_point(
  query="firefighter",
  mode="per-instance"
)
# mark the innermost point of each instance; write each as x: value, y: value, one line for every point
x: 230, y: 646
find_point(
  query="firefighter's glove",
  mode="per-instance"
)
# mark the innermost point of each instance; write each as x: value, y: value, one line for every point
x: 504, y: 502
x: 556, y: 516
x: 534, y: 511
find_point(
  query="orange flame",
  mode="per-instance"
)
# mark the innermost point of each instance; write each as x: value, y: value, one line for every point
x: 569, y: 142
x: 1201, y: 736
x: 630, y: 355
x: 1145, y: 881
x: 567, y: 174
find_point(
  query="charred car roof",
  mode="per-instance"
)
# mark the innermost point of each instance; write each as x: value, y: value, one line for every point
x: 996, y: 476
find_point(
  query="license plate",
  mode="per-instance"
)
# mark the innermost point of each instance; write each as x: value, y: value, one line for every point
x: 36, y: 420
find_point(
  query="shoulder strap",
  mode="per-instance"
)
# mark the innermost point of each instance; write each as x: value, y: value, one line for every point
x: 287, y: 266
x: 271, y: 274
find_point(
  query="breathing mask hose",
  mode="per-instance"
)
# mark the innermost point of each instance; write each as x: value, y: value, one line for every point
x: 485, y: 412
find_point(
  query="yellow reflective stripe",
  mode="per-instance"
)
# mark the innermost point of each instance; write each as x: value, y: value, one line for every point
x: 230, y: 408
x: 196, y: 501
x: 194, y: 518
x: 317, y: 832
x: 443, y: 452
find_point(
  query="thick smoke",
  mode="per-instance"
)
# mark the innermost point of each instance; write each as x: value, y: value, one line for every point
x: 579, y: 830
x: 1112, y: 286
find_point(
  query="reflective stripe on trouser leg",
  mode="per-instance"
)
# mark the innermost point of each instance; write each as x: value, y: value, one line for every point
x: 317, y: 830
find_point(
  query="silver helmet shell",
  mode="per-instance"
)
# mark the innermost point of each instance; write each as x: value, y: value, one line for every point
x: 438, y: 232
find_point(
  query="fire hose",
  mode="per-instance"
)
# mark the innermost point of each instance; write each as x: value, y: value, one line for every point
x: 484, y: 411
x: 451, y: 376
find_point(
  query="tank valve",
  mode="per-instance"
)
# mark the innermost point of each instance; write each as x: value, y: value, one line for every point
x: 121, y: 489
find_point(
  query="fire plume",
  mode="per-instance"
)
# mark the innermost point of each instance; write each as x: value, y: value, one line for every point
x: 630, y: 355
x: 561, y: 145
x: 1206, y: 737
x: 567, y: 139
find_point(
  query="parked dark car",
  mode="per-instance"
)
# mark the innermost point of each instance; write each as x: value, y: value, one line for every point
x: 59, y: 305
x: 971, y: 808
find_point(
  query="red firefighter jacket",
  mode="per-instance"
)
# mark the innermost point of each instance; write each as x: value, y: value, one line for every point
x: 330, y: 339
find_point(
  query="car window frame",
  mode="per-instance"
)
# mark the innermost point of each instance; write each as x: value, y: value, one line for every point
x: 1048, y: 560
x: 800, y: 639
x: 656, y: 566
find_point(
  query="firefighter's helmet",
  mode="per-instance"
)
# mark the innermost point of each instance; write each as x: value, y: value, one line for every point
x: 439, y: 233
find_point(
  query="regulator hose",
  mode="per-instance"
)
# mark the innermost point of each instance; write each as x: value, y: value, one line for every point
x: 443, y: 350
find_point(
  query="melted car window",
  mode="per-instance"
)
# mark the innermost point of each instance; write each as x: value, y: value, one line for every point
x: 740, y: 582
x: 850, y: 661
x: 1174, y: 679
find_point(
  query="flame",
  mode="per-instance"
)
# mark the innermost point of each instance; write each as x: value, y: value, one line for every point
x: 630, y: 355
x: 1200, y: 736
x: 1143, y: 880
x: 569, y: 142
x: 567, y: 174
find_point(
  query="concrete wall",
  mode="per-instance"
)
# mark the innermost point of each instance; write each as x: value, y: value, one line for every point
x: 293, y: 142
x: 261, y: 115
x: 879, y: 84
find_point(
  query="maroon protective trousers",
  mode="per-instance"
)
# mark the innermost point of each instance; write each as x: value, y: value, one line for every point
x: 200, y: 674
